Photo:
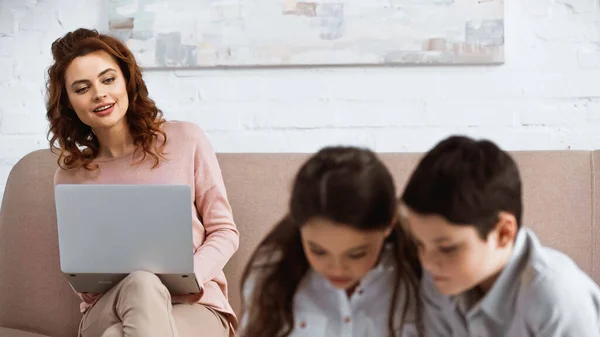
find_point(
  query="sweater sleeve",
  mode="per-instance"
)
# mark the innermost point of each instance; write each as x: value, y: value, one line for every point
x: 222, y: 237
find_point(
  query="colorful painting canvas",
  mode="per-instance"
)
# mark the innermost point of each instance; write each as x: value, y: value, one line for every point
x: 230, y: 33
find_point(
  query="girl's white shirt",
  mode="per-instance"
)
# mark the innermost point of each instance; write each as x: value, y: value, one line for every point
x: 320, y: 310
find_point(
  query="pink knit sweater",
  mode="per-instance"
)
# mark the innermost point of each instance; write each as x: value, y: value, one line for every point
x: 190, y: 159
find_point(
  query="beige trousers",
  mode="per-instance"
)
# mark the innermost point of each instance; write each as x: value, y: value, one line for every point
x: 140, y: 306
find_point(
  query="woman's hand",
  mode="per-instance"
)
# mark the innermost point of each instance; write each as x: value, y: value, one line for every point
x: 90, y: 297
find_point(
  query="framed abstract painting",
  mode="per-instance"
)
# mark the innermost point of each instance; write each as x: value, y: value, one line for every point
x: 246, y: 33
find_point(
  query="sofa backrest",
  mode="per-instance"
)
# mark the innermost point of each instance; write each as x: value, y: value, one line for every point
x: 561, y: 204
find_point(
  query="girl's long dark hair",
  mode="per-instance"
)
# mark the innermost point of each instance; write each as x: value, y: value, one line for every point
x: 348, y: 185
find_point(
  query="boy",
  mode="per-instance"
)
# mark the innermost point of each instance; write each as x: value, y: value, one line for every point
x: 484, y: 274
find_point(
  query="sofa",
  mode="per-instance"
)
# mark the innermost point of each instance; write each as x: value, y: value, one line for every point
x: 562, y: 204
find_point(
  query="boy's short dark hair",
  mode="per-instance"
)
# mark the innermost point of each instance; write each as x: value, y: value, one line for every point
x: 467, y: 182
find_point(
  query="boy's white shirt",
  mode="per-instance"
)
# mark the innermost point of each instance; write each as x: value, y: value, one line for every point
x: 320, y: 310
x: 540, y: 293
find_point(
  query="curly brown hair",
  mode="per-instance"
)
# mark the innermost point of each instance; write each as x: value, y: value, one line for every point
x: 77, y: 145
x: 347, y: 185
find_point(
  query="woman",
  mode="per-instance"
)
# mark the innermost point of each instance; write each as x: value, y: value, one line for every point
x: 106, y: 130
x: 338, y: 264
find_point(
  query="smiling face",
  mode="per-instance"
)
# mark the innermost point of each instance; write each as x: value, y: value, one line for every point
x: 340, y: 253
x: 97, y: 90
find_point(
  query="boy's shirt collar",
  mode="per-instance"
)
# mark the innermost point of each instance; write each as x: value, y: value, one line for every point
x: 496, y: 303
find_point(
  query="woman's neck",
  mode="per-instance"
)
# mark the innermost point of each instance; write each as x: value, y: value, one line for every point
x: 115, y: 141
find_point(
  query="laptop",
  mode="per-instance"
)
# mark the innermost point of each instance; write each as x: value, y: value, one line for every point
x: 106, y: 232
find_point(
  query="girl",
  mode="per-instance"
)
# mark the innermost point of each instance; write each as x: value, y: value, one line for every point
x: 106, y: 130
x: 338, y: 264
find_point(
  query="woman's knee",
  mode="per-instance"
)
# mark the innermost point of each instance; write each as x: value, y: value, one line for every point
x: 143, y: 281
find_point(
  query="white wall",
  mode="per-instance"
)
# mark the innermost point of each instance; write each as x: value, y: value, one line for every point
x: 546, y: 96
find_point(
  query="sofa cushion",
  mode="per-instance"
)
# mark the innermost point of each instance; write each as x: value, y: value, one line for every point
x: 4, y: 332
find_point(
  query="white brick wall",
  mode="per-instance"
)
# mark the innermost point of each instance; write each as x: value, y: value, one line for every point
x: 546, y: 96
